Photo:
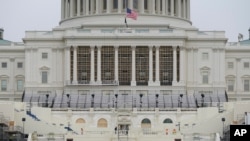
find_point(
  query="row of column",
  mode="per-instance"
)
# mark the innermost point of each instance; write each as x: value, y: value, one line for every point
x: 72, y: 8
x: 133, y: 80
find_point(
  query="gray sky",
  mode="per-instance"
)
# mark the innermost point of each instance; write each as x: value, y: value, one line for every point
x: 18, y: 16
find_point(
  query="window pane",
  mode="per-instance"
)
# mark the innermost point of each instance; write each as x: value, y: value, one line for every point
x: 230, y: 65
x: 246, y: 85
x: 230, y: 85
x: 246, y: 65
x: 44, y: 55
x: 4, y: 65
x: 44, y: 77
x: 4, y: 85
x: 19, y: 85
x: 204, y: 56
x: 19, y: 65
x: 205, y: 78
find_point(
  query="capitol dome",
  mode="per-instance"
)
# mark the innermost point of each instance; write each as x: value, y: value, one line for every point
x: 170, y: 13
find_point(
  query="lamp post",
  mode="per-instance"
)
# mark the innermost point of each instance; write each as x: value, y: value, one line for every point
x: 180, y: 100
x: 47, y: 100
x: 156, y: 102
x: 116, y: 96
x: 223, y: 126
x: 202, y: 100
x: 23, y: 120
x: 113, y: 102
x: 68, y: 102
x: 141, y: 101
x: 92, y: 100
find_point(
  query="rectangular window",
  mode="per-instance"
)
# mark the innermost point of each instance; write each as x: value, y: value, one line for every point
x: 3, y: 85
x: 19, y: 65
x: 246, y: 85
x: 246, y: 65
x: 44, y: 55
x: 205, y: 56
x: 230, y: 85
x: 230, y: 65
x: 44, y: 77
x: 4, y: 64
x: 205, y: 78
x: 19, y: 85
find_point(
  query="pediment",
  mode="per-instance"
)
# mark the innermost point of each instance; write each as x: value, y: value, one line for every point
x: 44, y: 68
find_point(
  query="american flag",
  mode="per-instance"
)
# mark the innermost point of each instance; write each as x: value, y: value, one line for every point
x: 131, y: 14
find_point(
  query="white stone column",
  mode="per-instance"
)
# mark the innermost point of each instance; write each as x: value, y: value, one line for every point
x: 97, y: 6
x: 195, y: 52
x: 172, y: 7
x: 133, y: 81
x: 67, y: 65
x: 116, y: 63
x: 92, y: 68
x: 99, y: 65
x: 163, y: 7
x: 150, y: 74
x: 120, y: 6
x: 92, y: 6
x: 130, y: 4
x: 62, y: 9
x: 166, y: 7
x: 66, y: 9
x: 222, y: 66
x: 179, y: 8
x: 184, y: 9
x: 239, y: 83
x: 174, y: 65
x: 157, y: 66
x: 152, y: 6
x: 158, y: 6
x: 71, y: 8
x: 78, y: 8
x: 182, y: 65
x: 188, y: 9
x: 75, y: 65
x: 108, y: 6
x: 87, y: 7
x: 141, y: 6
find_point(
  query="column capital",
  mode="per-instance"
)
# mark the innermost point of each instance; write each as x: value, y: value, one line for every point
x: 133, y: 47
x: 157, y: 46
x: 92, y: 46
x: 174, y: 47
x: 99, y: 46
x: 150, y: 46
x: 116, y: 46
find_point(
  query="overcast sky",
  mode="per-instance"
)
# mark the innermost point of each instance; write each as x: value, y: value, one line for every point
x: 18, y: 16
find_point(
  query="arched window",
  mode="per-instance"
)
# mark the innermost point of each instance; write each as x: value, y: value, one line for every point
x: 167, y: 121
x: 146, y: 123
x: 80, y: 121
x: 102, y: 123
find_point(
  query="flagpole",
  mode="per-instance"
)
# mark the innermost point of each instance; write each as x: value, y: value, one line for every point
x: 126, y: 13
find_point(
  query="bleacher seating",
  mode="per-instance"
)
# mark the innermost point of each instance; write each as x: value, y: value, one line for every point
x: 103, y: 100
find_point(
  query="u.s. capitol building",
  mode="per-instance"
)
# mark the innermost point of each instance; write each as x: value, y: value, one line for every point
x: 96, y: 77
